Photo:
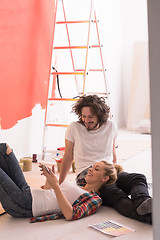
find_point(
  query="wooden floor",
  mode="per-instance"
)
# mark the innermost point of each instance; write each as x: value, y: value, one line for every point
x: 13, y: 228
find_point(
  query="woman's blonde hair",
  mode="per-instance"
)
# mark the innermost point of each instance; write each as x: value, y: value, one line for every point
x: 112, y: 170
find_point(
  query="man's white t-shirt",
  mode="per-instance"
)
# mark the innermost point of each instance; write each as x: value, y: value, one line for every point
x: 91, y: 146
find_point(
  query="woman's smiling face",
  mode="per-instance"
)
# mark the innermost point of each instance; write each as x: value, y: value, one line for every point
x: 97, y: 173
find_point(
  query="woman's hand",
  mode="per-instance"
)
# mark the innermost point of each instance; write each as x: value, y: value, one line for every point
x: 51, y: 179
x: 46, y: 186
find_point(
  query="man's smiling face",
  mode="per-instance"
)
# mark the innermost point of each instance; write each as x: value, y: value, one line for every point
x: 89, y: 119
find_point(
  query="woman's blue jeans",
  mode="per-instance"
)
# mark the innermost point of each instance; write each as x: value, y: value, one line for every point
x: 15, y: 194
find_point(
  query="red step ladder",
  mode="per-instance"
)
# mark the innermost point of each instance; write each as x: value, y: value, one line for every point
x: 84, y: 72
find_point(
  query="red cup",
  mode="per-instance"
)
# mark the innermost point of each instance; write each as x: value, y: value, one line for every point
x: 34, y: 157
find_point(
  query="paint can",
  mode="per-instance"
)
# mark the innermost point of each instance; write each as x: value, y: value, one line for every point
x: 27, y: 163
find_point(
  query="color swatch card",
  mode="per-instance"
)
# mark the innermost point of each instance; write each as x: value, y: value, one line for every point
x: 112, y: 228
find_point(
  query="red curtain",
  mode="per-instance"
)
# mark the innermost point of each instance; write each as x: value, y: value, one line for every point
x: 26, y: 38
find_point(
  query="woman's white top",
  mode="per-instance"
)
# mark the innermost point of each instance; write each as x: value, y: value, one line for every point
x: 45, y: 201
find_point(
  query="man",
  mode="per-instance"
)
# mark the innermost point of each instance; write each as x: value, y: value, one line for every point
x: 91, y: 139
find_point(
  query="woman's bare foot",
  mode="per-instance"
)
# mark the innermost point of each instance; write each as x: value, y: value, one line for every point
x: 8, y: 150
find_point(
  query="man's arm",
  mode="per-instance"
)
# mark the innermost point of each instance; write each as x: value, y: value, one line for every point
x: 114, y: 152
x: 67, y: 160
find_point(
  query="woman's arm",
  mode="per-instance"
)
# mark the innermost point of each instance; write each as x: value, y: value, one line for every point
x: 65, y: 206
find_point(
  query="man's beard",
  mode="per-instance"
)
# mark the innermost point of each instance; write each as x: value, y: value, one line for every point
x: 88, y: 126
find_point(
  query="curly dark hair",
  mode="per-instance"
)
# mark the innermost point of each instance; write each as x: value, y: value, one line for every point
x: 97, y: 106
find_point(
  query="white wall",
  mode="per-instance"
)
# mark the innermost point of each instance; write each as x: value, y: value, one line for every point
x: 109, y: 14
x: 125, y: 25
x: 26, y: 136
x: 134, y: 30
x: 122, y: 23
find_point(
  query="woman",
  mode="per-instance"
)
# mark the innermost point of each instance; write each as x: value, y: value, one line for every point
x: 128, y: 195
x: 65, y: 200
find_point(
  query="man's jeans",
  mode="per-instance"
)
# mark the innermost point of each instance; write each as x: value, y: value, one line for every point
x: 129, y: 191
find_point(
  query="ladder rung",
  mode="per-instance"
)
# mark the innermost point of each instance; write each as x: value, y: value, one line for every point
x: 56, y: 125
x: 79, y: 70
x: 71, y: 47
x: 100, y: 93
x: 67, y: 73
x: 96, y: 70
x: 95, y: 46
x: 77, y: 47
x: 49, y: 151
x: 90, y: 70
x: 64, y: 22
x: 62, y: 99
